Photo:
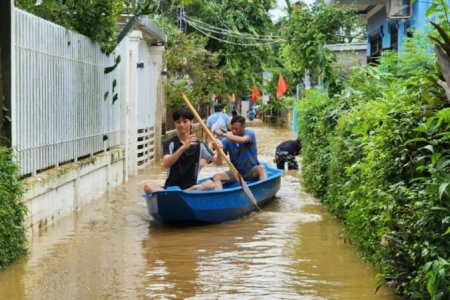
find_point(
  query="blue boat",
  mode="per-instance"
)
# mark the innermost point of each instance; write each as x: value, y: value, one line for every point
x: 174, y: 205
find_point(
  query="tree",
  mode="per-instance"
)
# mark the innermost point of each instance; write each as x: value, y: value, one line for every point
x: 240, y: 32
x: 96, y: 19
x: 191, y: 68
x: 308, y: 30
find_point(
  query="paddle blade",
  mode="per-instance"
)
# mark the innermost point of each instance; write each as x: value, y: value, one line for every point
x: 247, y: 190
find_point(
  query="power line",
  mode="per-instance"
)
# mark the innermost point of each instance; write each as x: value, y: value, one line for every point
x: 231, y: 34
x: 228, y: 32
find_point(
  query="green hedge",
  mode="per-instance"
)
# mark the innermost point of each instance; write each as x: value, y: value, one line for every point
x: 378, y: 155
x: 13, y: 240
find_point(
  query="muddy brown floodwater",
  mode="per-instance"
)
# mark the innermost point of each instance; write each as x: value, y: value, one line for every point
x: 112, y: 249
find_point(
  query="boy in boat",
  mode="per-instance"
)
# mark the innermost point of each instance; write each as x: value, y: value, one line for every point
x: 243, y: 153
x: 182, y: 156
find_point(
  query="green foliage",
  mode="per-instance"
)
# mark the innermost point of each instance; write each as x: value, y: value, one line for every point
x: 440, y: 9
x: 441, y: 38
x: 315, y: 126
x: 270, y: 87
x: 95, y: 19
x: 276, y: 106
x: 377, y: 155
x: 236, y: 31
x: 6, y: 114
x: 287, y: 101
x: 13, y: 240
x: 307, y: 31
x: 190, y: 68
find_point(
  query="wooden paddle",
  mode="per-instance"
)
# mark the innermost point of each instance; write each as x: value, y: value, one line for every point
x: 220, y: 150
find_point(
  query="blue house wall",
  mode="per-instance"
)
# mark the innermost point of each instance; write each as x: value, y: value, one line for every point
x: 380, y: 21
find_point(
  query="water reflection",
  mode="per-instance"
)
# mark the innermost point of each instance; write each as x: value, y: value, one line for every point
x: 248, y: 258
x: 112, y: 249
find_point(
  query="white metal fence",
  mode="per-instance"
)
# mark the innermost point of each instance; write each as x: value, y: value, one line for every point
x: 61, y: 112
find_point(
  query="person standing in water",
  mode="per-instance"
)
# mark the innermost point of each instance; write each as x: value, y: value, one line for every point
x: 251, y: 114
x: 286, y: 153
x: 218, y: 122
x: 234, y: 112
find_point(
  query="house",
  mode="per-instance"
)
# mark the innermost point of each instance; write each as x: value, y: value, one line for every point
x: 388, y: 22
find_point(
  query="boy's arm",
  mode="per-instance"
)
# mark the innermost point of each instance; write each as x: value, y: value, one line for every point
x: 217, y: 158
x: 237, y: 139
x: 170, y: 159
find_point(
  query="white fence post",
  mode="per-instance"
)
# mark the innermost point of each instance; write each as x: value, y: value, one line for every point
x: 125, y: 82
x: 156, y: 53
x: 134, y: 39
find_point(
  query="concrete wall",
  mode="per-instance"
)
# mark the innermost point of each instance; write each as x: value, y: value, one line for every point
x: 58, y: 192
x: 282, y: 122
x: 349, y: 55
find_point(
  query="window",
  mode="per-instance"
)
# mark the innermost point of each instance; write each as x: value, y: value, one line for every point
x: 408, y: 29
x: 393, y: 28
x: 375, y: 41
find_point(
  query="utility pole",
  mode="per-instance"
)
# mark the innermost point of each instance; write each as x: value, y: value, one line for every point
x: 181, y: 22
x: 6, y: 14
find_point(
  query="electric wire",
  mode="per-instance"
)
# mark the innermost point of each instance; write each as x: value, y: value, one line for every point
x: 233, y: 43
x: 229, y: 32
x: 209, y: 34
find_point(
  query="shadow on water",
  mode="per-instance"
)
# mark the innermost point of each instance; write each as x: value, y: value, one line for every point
x: 112, y: 249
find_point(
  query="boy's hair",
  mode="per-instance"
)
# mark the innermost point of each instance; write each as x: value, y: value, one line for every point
x: 238, y: 119
x: 218, y: 107
x: 184, y: 113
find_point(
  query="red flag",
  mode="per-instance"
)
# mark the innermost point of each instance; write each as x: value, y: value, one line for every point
x: 255, y: 94
x: 282, y: 86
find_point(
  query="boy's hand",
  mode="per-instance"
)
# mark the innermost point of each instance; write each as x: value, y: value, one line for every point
x: 217, y: 144
x: 193, y: 140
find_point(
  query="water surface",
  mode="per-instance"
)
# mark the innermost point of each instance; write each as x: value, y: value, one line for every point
x: 112, y: 249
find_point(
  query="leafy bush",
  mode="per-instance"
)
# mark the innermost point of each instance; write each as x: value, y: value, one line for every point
x: 377, y: 155
x: 315, y: 127
x: 13, y: 241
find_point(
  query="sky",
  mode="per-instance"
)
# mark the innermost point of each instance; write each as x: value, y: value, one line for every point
x: 281, y: 11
